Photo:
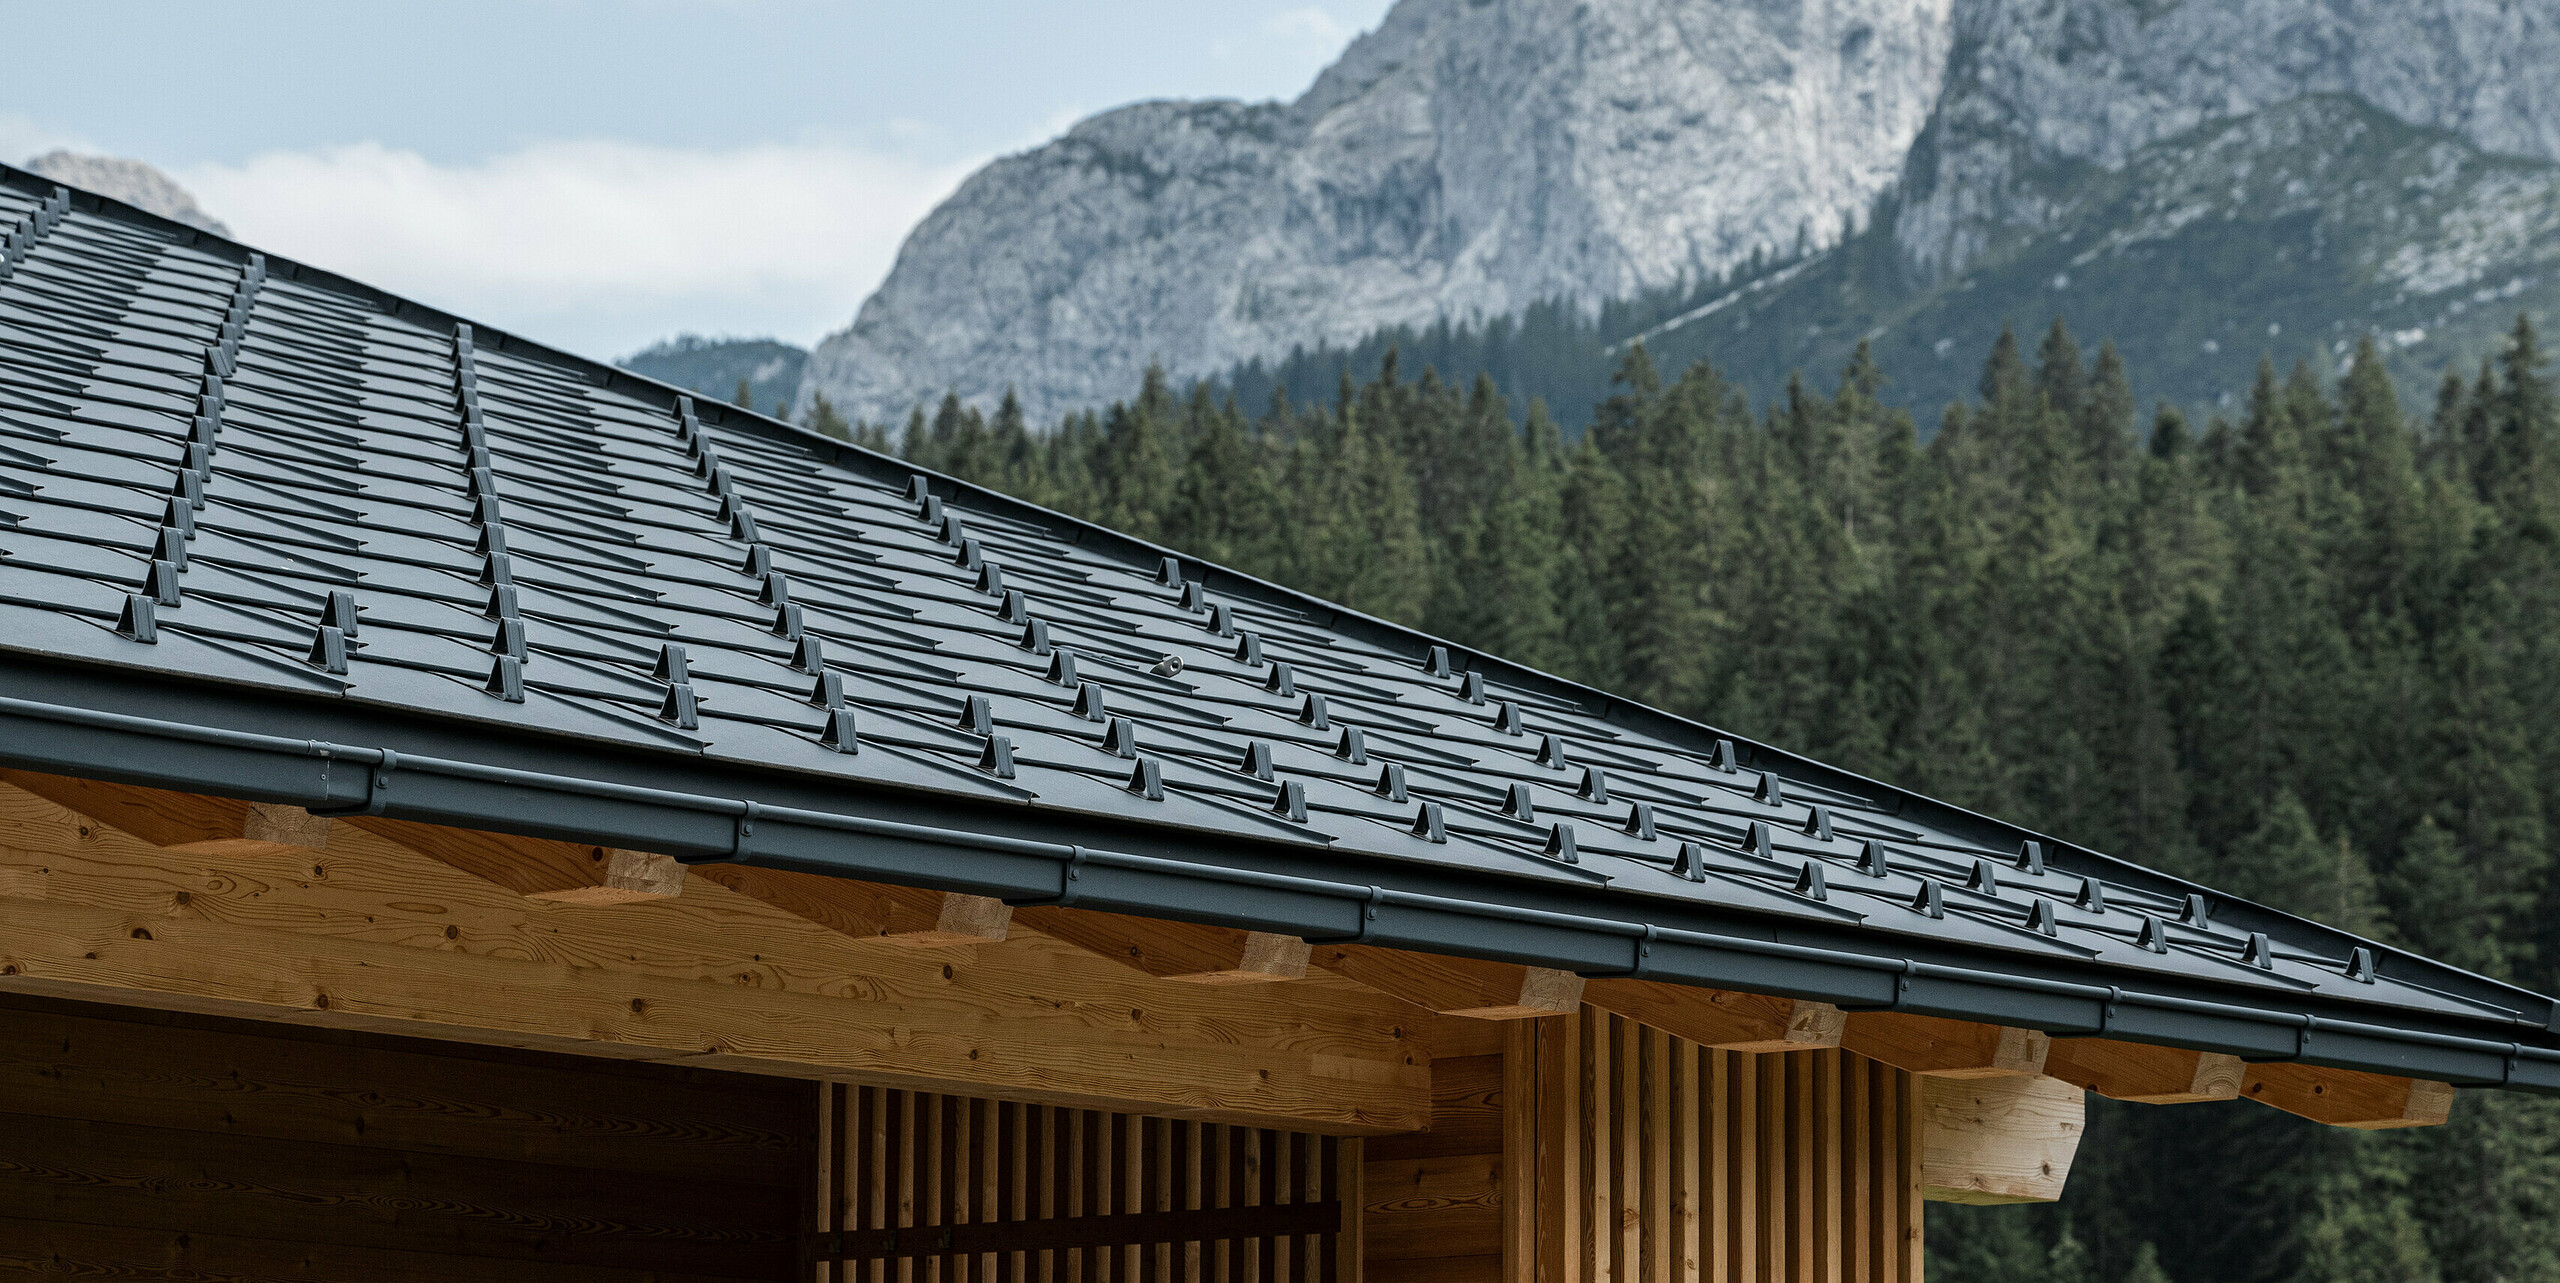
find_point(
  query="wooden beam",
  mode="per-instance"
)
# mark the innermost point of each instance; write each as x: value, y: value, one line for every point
x: 903, y: 916
x: 1945, y: 1048
x: 181, y: 821
x: 1720, y: 1018
x: 1457, y: 986
x: 1180, y: 951
x: 374, y: 936
x: 538, y: 869
x: 1998, y: 1140
x: 2345, y: 1098
x: 2141, y: 1072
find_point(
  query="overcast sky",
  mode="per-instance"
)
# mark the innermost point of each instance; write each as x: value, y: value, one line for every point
x: 599, y: 174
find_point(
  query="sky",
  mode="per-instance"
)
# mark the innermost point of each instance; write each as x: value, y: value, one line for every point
x: 601, y: 174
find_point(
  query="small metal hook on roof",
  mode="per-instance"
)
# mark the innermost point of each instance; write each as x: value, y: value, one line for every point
x: 1169, y: 666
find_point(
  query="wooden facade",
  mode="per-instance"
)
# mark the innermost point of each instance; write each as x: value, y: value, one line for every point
x: 1656, y: 1159
x: 919, y: 1187
x: 154, y: 1145
x: 762, y: 1084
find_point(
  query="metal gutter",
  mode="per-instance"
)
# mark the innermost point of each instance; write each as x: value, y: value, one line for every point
x: 341, y: 779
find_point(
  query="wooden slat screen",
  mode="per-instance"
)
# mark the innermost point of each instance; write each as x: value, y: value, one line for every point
x: 1659, y: 1161
x: 917, y: 1187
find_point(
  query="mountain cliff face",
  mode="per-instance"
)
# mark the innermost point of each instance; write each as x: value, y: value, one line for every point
x: 1466, y: 157
x: 1471, y: 157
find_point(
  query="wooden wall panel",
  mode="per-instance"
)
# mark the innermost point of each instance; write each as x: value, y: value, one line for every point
x: 1654, y: 1160
x: 165, y: 1146
x: 971, y: 1186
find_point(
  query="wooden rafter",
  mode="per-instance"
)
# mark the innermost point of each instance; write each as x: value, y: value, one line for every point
x: 2344, y: 1098
x: 1457, y: 986
x: 1945, y: 1048
x: 371, y: 935
x: 2141, y: 1072
x: 903, y: 916
x: 1720, y: 1018
x: 1180, y: 951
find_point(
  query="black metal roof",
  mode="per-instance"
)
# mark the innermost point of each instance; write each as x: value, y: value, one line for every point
x: 266, y: 532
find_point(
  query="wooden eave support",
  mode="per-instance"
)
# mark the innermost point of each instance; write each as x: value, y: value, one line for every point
x: 372, y: 935
x: 1719, y: 1018
x: 903, y: 916
x: 1998, y: 1140
x: 2141, y: 1072
x: 536, y: 868
x: 1945, y: 1048
x: 2345, y: 1098
x: 1182, y: 951
x: 1457, y: 986
x: 182, y: 821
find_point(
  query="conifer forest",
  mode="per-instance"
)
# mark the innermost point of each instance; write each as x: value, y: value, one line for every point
x: 2309, y: 654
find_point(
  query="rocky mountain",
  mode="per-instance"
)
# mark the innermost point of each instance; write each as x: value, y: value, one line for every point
x: 130, y: 181
x: 1922, y: 169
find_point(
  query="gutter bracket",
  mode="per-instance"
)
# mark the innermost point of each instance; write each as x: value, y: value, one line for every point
x: 377, y: 785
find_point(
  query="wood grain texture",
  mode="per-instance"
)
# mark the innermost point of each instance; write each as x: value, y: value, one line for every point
x: 1020, y: 1173
x: 2343, y: 1098
x: 1660, y: 1161
x: 559, y: 1113
x: 1999, y: 1140
x: 1457, y: 986
x: 371, y: 935
x: 2141, y: 1072
x: 168, y: 1147
x: 1720, y: 1018
x: 1181, y: 951
x: 1933, y: 1046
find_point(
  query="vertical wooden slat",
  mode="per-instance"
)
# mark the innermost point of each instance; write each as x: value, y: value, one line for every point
x: 1520, y: 1151
x: 1717, y: 1163
x: 1830, y: 1161
x: 1749, y: 1232
x: 826, y: 1191
x: 1265, y: 1172
x: 1348, y: 1188
x: 1801, y: 1154
x: 1601, y: 1138
x: 1628, y: 1104
x: 1225, y: 1163
x: 1685, y: 1133
x: 1909, y: 1093
x: 1188, y: 1139
x: 1661, y: 1224
x: 1858, y: 1197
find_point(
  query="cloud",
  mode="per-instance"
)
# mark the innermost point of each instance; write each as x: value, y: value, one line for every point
x: 1296, y: 34
x: 1309, y: 24
x: 600, y: 247
x: 23, y: 138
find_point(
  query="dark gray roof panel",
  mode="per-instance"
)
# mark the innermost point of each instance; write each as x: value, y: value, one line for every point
x: 237, y: 448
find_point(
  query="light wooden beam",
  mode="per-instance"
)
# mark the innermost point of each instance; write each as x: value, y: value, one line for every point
x: 2344, y: 1098
x: 182, y: 821
x: 1945, y: 1048
x: 536, y: 868
x: 1457, y: 986
x: 1720, y: 1018
x: 1180, y: 951
x: 372, y: 935
x: 2141, y: 1072
x: 901, y: 916
x: 1998, y: 1140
